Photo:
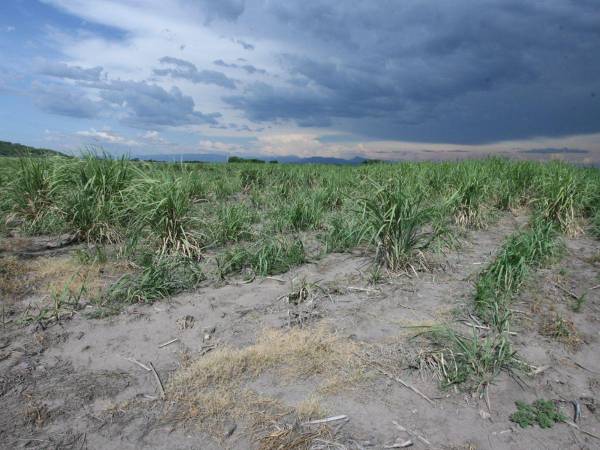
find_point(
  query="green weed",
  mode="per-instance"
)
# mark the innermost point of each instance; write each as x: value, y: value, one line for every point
x: 545, y: 413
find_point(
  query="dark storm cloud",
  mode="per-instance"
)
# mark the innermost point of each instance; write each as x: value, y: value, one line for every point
x: 186, y: 70
x: 144, y: 105
x: 459, y: 71
x: 555, y: 151
x: 61, y: 70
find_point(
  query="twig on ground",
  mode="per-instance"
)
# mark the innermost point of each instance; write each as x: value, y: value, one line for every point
x: 401, y: 381
x: 581, y: 366
x: 158, y: 382
x: 540, y: 370
x: 275, y: 279
x: 359, y: 289
x: 475, y: 319
x: 326, y: 420
x: 483, y: 327
x: 577, y: 427
x: 172, y: 341
x: 411, y: 432
x: 404, y: 444
x: 487, y: 398
x: 566, y: 291
x: 520, y: 312
x: 135, y: 361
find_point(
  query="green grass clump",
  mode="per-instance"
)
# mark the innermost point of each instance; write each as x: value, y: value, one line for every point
x: 471, y: 360
x: 161, y: 277
x: 468, y: 204
x: 265, y: 258
x: 397, y: 218
x: 562, y: 198
x: 233, y: 224
x: 342, y: 234
x: 29, y: 192
x: 89, y: 195
x: 162, y: 206
x: 545, y: 413
x: 297, y: 215
x: 595, y: 225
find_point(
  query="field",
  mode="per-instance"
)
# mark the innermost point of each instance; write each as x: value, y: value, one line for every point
x: 272, y: 306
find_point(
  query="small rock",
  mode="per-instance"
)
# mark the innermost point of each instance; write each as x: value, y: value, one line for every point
x: 230, y: 429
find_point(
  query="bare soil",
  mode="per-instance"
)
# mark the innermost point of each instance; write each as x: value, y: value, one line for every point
x: 75, y: 384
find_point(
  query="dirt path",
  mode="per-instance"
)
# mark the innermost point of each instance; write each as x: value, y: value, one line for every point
x: 69, y: 386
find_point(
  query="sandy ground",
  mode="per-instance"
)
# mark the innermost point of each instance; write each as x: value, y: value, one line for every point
x: 74, y: 385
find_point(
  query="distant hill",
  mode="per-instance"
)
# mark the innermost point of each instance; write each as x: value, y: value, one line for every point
x: 217, y: 157
x: 184, y: 157
x: 11, y: 149
x: 319, y: 160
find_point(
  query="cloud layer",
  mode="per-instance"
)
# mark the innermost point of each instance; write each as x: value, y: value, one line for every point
x: 416, y: 71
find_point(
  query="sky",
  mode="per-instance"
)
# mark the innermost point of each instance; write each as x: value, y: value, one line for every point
x: 385, y: 79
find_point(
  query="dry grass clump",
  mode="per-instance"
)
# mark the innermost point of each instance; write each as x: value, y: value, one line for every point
x: 211, y: 389
x: 36, y: 413
x: 295, y: 354
x: 12, y: 285
x: 52, y: 274
x: 561, y: 329
x: 296, y: 437
x: 310, y: 408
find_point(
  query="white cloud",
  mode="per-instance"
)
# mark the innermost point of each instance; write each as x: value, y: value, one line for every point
x: 159, y: 29
x: 209, y: 145
x: 107, y: 136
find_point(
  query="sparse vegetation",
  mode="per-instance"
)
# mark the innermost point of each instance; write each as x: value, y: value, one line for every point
x: 470, y: 360
x: 160, y: 277
x: 545, y: 413
x: 138, y: 232
x: 522, y: 252
x: 397, y: 217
